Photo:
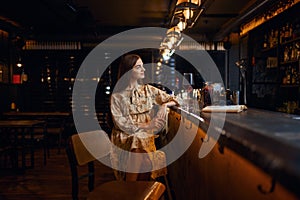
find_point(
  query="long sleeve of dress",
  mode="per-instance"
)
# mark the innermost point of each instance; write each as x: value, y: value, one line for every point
x: 160, y: 97
x: 121, y: 116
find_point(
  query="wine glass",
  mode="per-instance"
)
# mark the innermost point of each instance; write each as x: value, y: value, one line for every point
x: 187, y: 83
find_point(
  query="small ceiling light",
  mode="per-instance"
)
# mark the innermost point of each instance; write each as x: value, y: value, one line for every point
x: 19, y: 63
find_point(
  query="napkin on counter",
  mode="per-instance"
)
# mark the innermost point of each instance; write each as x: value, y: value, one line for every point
x: 229, y: 109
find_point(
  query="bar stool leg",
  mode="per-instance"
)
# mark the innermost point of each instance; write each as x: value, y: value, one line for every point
x: 168, y: 187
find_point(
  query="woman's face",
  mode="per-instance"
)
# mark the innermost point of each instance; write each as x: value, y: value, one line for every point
x: 138, y: 70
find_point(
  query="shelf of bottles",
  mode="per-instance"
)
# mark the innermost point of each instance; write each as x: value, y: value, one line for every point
x: 287, y: 39
x: 275, y: 71
x: 273, y: 11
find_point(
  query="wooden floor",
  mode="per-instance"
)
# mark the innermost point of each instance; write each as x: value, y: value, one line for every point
x: 49, y: 182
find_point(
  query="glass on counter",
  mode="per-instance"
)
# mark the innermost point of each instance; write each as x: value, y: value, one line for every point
x: 187, y: 92
x: 193, y: 100
x: 213, y: 94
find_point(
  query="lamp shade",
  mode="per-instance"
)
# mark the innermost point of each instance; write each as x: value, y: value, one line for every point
x: 195, y: 2
x: 188, y: 11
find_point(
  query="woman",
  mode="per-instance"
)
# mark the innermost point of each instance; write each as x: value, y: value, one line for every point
x: 134, y: 124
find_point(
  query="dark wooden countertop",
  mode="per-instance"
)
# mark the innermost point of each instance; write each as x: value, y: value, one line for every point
x: 270, y: 140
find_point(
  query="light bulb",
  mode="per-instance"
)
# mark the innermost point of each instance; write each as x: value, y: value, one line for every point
x: 188, y: 14
x: 181, y: 25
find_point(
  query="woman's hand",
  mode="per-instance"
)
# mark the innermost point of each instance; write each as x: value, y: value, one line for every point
x: 162, y: 112
x: 156, y: 124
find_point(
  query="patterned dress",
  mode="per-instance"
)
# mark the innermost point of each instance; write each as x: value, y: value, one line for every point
x: 129, y: 108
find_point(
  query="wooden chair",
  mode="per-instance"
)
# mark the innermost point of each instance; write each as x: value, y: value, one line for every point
x: 40, y: 137
x: 56, y: 128
x: 79, y: 155
x: 8, y: 156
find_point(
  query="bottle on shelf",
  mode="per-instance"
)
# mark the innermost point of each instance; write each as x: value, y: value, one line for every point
x: 290, y: 53
x: 265, y: 44
x: 298, y: 78
x: 286, y: 54
x: 294, y: 76
x: 293, y: 52
x: 287, y: 33
x: 282, y: 35
x: 288, y: 75
x: 13, y: 106
x: 271, y: 38
x: 291, y: 32
x: 275, y: 38
x: 298, y: 52
x: 296, y: 30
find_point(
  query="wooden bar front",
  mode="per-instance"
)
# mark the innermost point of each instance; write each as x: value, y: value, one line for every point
x: 244, y: 163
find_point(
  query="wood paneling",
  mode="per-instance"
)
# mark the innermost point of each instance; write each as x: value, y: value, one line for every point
x: 222, y: 174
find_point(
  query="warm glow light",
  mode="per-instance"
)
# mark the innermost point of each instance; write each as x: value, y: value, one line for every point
x: 188, y: 13
x: 257, y: 21
x: 166, y: 51
x: 170, y: 44
x: 181, y: 25
x: 197, y: 2
x: 165, y: 56
x: 24, y: 77
x: 173, y: 37
x: 19, y: 64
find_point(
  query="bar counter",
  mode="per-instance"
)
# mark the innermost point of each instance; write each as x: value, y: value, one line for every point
x: 257, y: 156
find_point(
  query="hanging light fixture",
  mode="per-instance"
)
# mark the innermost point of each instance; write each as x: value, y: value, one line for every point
x: 187, y: 11
x: 187, y: 7
x: 173, y: 37
x: 170, y: 42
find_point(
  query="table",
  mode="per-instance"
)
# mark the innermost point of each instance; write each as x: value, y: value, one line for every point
x: 23, y: 127
x: 56, y: 122
x: 36, y: 114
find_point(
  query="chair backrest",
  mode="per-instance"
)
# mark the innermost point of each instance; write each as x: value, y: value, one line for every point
x: 82, y: 155
x: 89, y: 146
x: 82, y: 149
